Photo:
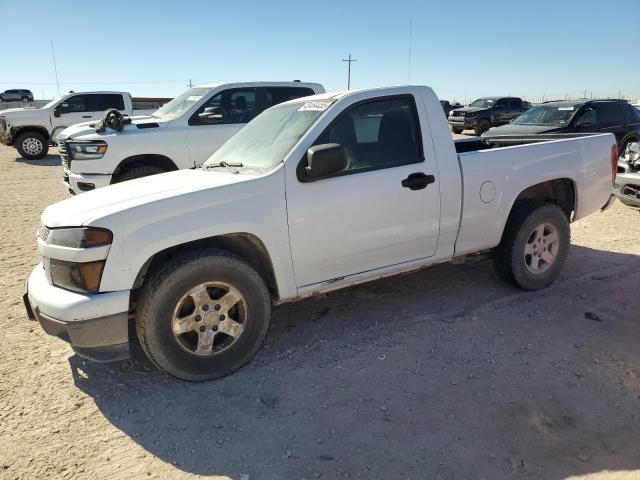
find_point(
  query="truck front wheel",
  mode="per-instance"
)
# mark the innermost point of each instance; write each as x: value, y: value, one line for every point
x: 138, y: 172
x: 534, y: 245
x: 482, y: 126
x: 203, y: 315
x: 32, y: 145
x: 456, y: 130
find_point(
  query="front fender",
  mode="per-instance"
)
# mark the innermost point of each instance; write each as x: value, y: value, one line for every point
x: 256, y: 207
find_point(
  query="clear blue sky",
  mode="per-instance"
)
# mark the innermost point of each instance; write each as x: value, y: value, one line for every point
x: 461, y: 48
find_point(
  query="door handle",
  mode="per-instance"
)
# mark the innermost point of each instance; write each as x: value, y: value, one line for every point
x: 418, y: 181
x: 86, y: 116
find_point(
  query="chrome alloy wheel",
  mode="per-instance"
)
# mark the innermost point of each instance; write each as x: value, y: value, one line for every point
x: 32, y: 146
x: 209, y: 318
x: 541, y: 249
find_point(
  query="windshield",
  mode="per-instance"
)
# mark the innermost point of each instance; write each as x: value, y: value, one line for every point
x: 482, y: 103
x: 180, y: 104
x: 269, y: 137
x: 547, y: 115
x: 50, y: 104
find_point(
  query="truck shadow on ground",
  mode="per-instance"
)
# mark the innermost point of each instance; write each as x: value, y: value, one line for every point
x: 443, y: 373
x: 51, y: 160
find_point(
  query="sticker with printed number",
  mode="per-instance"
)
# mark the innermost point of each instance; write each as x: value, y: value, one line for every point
x: 194, y: 98
x: 565, y: 108
x: 314, y: 106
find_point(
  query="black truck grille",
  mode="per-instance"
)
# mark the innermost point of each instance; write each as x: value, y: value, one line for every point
x: 64, y: 154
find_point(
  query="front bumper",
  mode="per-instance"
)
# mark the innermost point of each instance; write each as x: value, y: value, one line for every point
x: 77, y: 183
x: 463, y: 122
x: 6, y: 138
x: 96, y: 325
x: 627, y: 188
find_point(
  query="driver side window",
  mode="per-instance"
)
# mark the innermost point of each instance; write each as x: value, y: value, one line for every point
x: 377, y: 134
x: 78, y: 103
x: 587, y: 117
x: 235, y: 106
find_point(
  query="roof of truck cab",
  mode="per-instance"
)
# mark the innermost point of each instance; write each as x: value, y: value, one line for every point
x: 261, y: 84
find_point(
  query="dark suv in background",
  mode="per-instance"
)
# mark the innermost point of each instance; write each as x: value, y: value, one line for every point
x: 16, y: 95
x: 486, y: 112
x: 571, y: 117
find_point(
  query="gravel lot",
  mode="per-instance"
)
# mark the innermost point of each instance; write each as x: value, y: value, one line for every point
x: 442, y: 374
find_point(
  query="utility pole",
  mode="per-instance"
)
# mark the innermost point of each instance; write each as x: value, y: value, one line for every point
x: 55, y: 68
x: 349, y: 61
x: 190, y: 84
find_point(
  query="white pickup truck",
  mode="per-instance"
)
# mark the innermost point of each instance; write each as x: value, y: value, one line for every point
x: 313, y: 195
x: 181, y: 134
x: 31, y: 130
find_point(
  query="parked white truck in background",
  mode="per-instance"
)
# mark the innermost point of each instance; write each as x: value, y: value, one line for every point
x: 31, y: 130
x: 181, y: 134
x: 315, y: 194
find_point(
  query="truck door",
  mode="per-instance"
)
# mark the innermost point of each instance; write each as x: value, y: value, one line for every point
x: 382, y: 209
x: 500, y: 112
x: 75, y: 109
x: 218, y: 119
x: 514, y: 108
x: 105, y: 101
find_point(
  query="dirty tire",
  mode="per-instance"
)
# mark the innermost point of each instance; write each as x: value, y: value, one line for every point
x: 163, y: 291
x: 456, y: 130
x: 482, y: 127
x: 509, y: 255
x: 139, y: 172
x: 32, y: 145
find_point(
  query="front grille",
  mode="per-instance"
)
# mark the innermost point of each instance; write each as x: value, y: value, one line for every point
x: 43, y: 233
x: 631, y: 191
x: 64, y: 154
x: 458, y: 114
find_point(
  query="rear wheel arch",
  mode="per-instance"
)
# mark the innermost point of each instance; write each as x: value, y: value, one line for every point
x: 162, y: 162
x: 246, y: 246
x: 560, y: 192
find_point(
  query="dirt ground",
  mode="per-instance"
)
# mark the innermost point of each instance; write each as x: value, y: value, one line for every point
x: 442, y: 374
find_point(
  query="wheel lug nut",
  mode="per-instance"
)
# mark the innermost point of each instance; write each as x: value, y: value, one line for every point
x: 205, y: 307
x: 222, y: 317
x: 215, y: 329
x: 203, y: 328
x: 216, y: 307
x: 198, y: 318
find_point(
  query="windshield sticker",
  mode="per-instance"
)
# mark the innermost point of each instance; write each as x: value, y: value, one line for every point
x: 565, y: 108
x: 194, y: 98
x: 314, y: 106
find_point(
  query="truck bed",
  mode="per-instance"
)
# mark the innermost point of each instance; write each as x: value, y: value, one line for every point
x: 493, y: 177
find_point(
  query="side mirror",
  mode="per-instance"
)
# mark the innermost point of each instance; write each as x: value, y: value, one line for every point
x: 211, y: 115
x: 323, y: 160
x: 62, y: 109
x: 583, y: 124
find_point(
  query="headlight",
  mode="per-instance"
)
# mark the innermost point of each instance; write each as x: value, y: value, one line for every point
x: 81, y: 237
x: 87, y: 150
x: 471, y: 114
x: 79, y: 277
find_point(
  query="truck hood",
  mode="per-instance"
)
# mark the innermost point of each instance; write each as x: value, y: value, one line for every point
x: 22, y: 114
x: 128, y: 198
x: 512, y: 129
x: 87, y: 131
x: 468, y: 109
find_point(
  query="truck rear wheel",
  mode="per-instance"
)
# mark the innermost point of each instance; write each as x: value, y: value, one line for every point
x: 534, y: 245
x: 32, y: 145
x: 203, y: 315
x: 456, y: 130
x: 139, y: 172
